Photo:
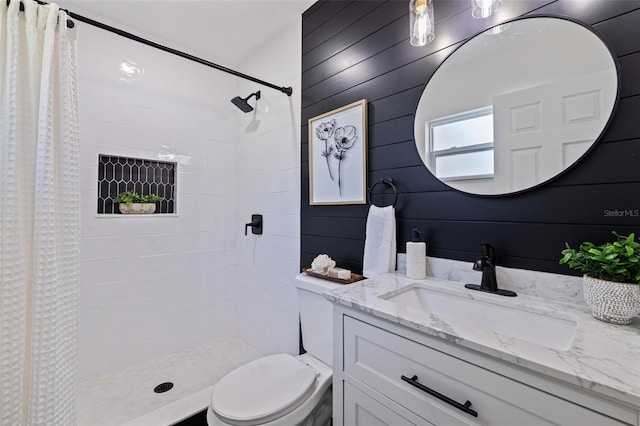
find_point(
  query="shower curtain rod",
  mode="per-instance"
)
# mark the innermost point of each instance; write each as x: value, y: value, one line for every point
x: 286, y: 90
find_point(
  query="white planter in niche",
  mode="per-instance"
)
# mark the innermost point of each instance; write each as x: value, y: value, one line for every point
x: 137, y: 208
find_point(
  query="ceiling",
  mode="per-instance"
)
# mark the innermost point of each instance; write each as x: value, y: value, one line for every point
x: 220, y: 31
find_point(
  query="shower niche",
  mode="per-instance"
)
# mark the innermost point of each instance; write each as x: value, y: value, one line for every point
x: 121, y: 174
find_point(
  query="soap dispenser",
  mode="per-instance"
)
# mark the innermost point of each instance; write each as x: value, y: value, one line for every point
x: 416, y: 256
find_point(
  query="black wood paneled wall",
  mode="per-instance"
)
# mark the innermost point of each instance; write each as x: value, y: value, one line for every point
x: 360, y: 49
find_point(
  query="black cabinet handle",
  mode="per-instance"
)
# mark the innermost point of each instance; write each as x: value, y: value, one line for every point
x: 463, y: 407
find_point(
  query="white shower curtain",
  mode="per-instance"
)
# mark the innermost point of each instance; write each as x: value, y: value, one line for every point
x: 39, y: 216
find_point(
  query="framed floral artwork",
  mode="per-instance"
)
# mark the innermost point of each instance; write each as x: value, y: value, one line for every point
x: 338, y: 156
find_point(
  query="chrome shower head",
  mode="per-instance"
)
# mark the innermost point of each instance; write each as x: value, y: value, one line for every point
x: 243, y: 103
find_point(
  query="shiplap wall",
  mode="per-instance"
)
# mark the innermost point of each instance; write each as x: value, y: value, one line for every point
x: 355, y: 50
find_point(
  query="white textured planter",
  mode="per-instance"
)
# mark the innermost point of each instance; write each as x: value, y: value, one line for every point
x: 610, y: 301
x: 137, y: 208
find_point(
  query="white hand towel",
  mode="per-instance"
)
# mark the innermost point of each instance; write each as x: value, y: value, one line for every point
x: 380, y: 241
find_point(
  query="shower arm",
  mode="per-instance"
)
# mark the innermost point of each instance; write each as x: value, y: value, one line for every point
x: 255, y: 94
x: 286, y: 90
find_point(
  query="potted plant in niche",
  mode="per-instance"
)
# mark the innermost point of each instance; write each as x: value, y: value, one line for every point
x: 131, y: 202
x: 611, y: 277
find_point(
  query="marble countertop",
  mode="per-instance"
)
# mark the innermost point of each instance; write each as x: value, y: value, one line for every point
x: 602, y: 358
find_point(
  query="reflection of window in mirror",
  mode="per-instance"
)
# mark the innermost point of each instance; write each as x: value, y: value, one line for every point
x: 460, y: 146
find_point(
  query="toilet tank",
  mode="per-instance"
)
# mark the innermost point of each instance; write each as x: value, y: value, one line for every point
x: 316, y: 317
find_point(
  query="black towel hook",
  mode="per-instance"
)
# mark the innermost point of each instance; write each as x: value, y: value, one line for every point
x: 387, y: 180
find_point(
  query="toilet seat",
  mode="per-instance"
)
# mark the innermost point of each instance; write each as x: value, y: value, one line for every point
x: 246, y: 396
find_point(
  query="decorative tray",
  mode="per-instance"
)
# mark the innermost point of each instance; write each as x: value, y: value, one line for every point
x: 353, y: 279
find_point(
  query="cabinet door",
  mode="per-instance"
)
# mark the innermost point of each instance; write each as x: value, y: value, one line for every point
x: 361, y: 409
x: 380, y: 359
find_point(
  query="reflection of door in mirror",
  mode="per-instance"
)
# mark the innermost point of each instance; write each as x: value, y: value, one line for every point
x: 551, y: 85
x: 542, y: 130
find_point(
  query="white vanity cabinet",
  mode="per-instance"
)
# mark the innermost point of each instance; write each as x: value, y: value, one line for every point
x: 386, y: 374
x: 362, y: 409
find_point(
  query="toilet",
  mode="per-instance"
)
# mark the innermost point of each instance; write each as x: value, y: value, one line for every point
x: 284, y: 390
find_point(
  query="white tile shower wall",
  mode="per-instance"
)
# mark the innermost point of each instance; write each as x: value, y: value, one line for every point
x: 154, y: 285
x: 268, y: 171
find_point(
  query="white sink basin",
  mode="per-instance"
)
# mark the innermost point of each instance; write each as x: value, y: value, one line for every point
x: 465, y: 313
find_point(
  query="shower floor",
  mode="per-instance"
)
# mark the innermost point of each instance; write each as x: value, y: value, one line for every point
x: 126, y: 397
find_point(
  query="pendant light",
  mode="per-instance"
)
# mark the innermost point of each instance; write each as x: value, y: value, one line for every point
x: 421, y: 26
x: 484, y: 8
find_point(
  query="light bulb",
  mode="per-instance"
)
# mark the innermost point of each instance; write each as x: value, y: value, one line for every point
x: 421, y: 29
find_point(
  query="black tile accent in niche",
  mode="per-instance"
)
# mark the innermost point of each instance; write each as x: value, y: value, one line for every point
x: 121, y: 174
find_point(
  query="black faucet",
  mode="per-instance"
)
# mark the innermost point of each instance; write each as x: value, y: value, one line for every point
x: 486, y: 263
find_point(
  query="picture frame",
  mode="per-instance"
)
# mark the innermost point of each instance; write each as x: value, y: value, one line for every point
x: 338, y: 156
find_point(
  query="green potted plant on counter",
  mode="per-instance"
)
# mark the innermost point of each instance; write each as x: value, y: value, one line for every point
x: 131, y: 202
x: 611, y: 277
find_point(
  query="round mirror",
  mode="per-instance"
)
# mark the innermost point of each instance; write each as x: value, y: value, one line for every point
x: 516, y: 105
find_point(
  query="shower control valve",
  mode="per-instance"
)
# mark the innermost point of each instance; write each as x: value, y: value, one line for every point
x: 255, y: 224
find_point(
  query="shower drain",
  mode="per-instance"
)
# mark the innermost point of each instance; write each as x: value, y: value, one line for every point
x: 163, y: 387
